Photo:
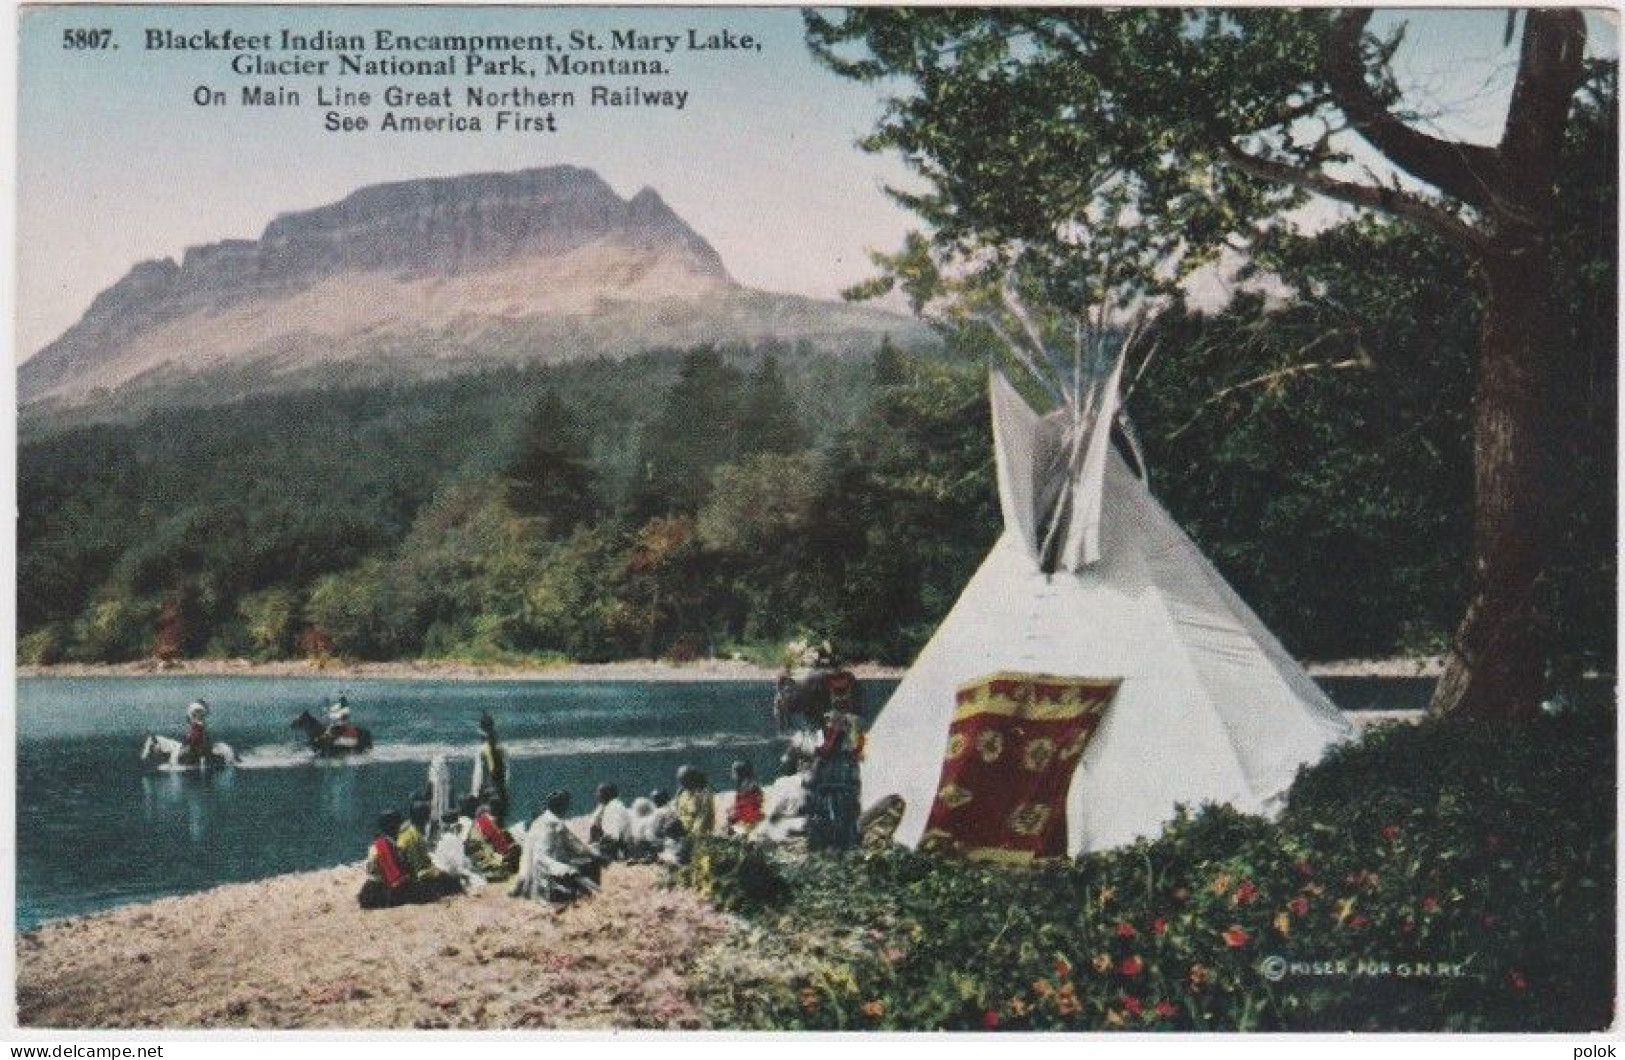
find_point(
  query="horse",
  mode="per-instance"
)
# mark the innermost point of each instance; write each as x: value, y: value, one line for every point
x: 171, y: 752
x: 352, y: 740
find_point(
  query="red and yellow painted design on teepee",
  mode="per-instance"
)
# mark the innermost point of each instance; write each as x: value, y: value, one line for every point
x: 1012, y: 749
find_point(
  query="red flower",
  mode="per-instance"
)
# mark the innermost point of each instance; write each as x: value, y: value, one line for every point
x: 1166, y: 1009
x: 1246, y: 893
x: 990, y: 1020
x: 1304, y: 868
x: 1159, y: 926
x: 1236, y: 938
x: 1519, y: 983
x: 1430, y: 904
x: 1358, y: 922
x: 1125, y: 930
x: 1299, y: 906
x: 1131, y: 966
x: 1062, y: 968
x: 1132, y: 1004
x: 1390, y: 832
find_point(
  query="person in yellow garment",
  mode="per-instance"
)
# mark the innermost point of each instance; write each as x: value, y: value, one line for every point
x: 427, y: 882
x: 696, y: 810
x: 491, y: 848
x: 494, y: 768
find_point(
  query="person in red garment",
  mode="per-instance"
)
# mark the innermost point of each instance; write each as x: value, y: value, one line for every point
x: 746, y: 812
x: 388, y: 882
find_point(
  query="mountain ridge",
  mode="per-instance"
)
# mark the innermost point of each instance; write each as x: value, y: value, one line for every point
x: 425, y: 275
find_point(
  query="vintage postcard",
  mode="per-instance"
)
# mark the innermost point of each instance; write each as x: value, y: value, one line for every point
x: 1012, y: 520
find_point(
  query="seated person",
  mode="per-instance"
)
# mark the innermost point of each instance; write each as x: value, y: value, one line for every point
x: 695, y: 807
x: 450, y: 857
x: 558, y: 867
x: 388, y: 883
x: 427, y: 882
x: 490, y: 847
x: 610, y: 827
x: 746, y: 812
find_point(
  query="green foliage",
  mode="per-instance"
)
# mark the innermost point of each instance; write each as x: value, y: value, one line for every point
x: 734, y: 875
x: 1422, y: 846
x: 1290, y: 440
x: 551, y: 475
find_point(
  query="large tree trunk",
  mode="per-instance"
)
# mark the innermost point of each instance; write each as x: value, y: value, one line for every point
x: 1495, y: 671
x: 1496, y: 668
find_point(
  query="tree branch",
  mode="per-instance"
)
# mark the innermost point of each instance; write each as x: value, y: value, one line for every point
x: 1389, y: 200
x: 1466, y: 171
x: 1292, y: 371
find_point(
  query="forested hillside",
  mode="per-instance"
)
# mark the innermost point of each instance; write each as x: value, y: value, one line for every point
x: 1317, y: 446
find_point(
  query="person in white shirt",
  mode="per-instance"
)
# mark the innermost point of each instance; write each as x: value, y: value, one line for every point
x: 556, y: 867
x: 610, y: 827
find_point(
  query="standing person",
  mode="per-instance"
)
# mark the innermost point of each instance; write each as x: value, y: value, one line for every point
x: 746, y: 812
x: 388, y: 882
x: 197, y: 746
x: 610, y: 827
x: 494, y: 770
x: 836, y: 801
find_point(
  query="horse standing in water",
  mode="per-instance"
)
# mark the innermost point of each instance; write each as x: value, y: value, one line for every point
x: 350, y: 740
x: 166, y: 750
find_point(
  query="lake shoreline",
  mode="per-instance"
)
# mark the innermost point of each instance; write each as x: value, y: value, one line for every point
x: 296, y: 952
x: 651, y: 670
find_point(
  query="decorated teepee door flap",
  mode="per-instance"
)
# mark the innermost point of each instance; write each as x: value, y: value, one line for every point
x: 1013, y: 747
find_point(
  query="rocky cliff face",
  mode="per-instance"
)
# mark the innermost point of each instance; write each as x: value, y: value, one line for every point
x: 539, y: 264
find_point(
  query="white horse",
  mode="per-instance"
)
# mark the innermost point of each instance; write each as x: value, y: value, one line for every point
x: 168, y: 751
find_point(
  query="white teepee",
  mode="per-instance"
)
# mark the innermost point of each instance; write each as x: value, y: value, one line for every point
x: 1093, y: 579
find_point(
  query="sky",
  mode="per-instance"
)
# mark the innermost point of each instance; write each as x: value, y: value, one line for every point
x: 116, y: 165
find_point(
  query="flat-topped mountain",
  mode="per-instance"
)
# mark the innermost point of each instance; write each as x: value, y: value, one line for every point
x: 425, y: 277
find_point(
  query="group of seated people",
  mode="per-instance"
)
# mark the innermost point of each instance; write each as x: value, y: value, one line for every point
x: 547, y: 861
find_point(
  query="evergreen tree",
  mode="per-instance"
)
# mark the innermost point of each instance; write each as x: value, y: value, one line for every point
x: 696, y: 430
x: 551, y: 475
x: 767, y: 418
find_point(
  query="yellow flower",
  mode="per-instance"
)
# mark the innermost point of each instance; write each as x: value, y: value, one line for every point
x: 874, y: 1009
x: 1344, y: 909
x: 1066, y: 1004
x: 1283, y: 923
x: 1114, y: 1018
x: 1220, y: 884
x: 1107, y: 894
x: 1042, y: 987
x: 1102, y: 963
x: 1199, y: 975
x: 1018, y: 1007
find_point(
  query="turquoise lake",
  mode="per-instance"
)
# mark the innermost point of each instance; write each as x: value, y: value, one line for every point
x: 96, y: 828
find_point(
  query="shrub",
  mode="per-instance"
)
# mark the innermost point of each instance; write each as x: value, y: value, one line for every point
x: 734, y: 875
x: 1431, y: 877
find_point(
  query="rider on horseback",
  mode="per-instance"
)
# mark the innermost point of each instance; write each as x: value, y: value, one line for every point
x: 196, y: 746
x: 339, y: 731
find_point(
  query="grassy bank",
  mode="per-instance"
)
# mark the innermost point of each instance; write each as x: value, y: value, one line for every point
x: 1428, y: 878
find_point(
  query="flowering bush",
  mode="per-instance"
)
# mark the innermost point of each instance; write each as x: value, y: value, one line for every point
x: 733, y: 875
x: 1428, y: 878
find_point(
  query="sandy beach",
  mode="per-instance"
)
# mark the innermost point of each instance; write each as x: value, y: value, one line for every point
x: 296, y: 952
x: 630, y: 670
